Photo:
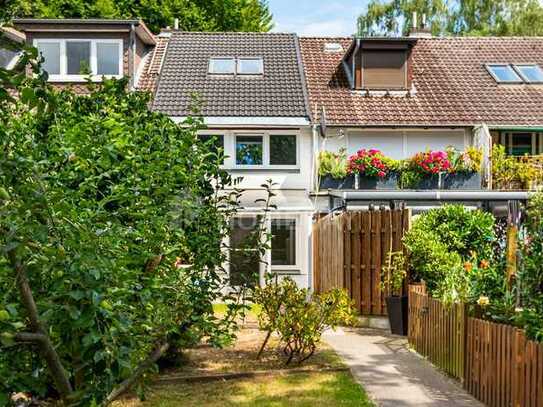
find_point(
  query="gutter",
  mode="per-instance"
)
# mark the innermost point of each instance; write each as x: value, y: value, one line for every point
x: 436, y: 195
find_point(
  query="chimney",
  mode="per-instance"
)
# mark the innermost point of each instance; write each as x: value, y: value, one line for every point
x: 176, y: 24
x: 422, y: 31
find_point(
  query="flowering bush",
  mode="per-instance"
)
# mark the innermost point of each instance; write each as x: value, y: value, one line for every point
x: 371, y: 163
x: 432, y: 162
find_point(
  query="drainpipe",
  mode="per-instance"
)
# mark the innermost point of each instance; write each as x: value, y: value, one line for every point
x: 132, y: 56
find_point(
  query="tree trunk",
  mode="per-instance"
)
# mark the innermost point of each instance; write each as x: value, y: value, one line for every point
x: 62, y: 383
x: 146, y: 364
x: 263, y: 345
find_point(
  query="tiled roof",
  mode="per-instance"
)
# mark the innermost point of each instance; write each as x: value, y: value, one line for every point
x: 277, y: 93
x: 451, y: 83
x: 148, y: 78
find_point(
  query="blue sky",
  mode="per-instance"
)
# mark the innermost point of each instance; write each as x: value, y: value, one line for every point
x: 316, y: 17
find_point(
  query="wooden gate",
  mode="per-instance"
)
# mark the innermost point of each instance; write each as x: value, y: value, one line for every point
x: 349, y: 250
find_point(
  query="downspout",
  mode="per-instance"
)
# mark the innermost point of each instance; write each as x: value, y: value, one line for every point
x: 132, y: 56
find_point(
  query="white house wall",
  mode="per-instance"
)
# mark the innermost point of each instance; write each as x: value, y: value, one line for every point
x: 396, y: 143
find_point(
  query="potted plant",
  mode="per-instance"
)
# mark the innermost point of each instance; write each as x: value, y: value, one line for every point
x: 333, y: 170
x: 465, y: 170
x: 394, y: 275
x: 372, y: 170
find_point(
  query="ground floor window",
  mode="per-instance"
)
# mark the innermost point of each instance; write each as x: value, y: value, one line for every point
x: 283, y: 242
x: 244, y: 257
x: 246, y: 266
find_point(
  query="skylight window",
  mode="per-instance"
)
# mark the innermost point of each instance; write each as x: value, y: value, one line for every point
x: 504, y: 73
x: 530, y: 73
x: 222, y: 65
x: 333, y: 47
x: 250, y: 66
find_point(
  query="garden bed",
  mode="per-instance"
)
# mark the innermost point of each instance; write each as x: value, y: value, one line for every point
x: 323, y: 380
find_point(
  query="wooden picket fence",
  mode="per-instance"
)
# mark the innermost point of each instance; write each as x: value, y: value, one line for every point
x: 349, y: 250
x: 437, y: 332
x: 495, y: 362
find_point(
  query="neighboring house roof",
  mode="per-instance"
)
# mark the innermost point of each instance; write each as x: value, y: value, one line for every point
x: 279, y: 92
x: 150, y: 72
x: 451, y: 85
x: 84, y: 25
x: 13, y: 34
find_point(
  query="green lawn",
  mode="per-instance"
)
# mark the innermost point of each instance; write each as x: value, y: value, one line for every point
x: 294, y: 390
x: 313, y: 388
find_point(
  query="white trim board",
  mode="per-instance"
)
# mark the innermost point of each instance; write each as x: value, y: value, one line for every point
x: 248, y: 121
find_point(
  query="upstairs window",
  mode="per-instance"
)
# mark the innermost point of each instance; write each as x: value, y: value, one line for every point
x: 222, y: 65
x: 384, y: 69
x: 266, y: 151
x: 249, y: 150
x: 74, y: 60
x: 250, y: 66
x: 504, y: 73
x: 530, y: 73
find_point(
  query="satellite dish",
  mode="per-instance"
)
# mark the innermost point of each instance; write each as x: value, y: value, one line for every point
x: 323, y: 122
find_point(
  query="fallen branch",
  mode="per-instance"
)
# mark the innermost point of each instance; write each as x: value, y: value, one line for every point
x: 142, y: 368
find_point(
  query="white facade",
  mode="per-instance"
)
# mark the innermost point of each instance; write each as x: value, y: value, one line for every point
x: 292, y: 187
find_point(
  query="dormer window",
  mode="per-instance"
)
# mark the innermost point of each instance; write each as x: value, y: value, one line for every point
x: 384, y: 69
x: 379, y: 64
x: 67, y: 60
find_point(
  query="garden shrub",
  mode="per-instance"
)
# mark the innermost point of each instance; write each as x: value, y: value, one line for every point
x: 298, y: 317
x: 101, y: 201
x: 441, y: 240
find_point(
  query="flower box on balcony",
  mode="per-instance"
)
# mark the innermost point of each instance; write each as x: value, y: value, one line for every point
x: 459, y: 180
x: 389, y: 182
x: 463, y: 180
x: 329, y: 182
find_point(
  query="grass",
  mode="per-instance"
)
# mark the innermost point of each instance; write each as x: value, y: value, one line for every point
x: 313, y: 388
x: 295, y: 390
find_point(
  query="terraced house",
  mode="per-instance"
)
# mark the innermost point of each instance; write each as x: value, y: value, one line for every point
x: 274, y: 102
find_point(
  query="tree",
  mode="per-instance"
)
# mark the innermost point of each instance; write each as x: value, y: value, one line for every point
x: 459, y: 17
x: 193, y: 15
x: 112, y: 223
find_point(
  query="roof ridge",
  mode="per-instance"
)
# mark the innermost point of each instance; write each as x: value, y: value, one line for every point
x: 228, y: 32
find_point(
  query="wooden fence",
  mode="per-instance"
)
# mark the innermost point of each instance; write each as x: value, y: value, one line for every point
x: 495, y: 362
x: 350, y: 249
x: 437, y: 332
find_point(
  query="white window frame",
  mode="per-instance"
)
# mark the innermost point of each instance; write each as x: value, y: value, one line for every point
x: 239, y: 61
x: 210, y: 64
x: 64, y: 77
x: 516, y: 68
x: 497, y: 79
x: 298, y: 244
x: 265, y: 151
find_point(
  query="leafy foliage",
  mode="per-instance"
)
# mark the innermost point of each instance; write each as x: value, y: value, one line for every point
x: 442, y: 239
x: 394, y: 273
x: 333, y: 164
x: 193, y: 15
x: 117, y: 216
x: 458, y: 17
x: 298, y: 317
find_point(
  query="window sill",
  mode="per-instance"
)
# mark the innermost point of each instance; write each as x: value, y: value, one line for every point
x: 80, y: 78
x: 284, y: 271
x: 254, y: 168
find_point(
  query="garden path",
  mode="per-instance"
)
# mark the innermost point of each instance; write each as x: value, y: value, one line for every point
x: 391, y: 374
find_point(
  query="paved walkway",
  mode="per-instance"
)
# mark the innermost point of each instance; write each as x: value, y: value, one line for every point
x: 391, y: 374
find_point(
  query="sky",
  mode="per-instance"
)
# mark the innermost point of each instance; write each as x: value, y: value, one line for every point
x: 317, y: 17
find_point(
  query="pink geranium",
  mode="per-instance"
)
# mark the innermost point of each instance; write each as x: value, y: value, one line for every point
x: 368, y: 162
x: 432, y: 162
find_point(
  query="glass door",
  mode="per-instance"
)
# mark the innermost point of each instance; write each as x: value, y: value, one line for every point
x: 245, y: 259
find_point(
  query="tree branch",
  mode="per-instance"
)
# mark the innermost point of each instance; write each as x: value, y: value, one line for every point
x: 62, y: 383
x: 29, y: 337
x: 145, y: 365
